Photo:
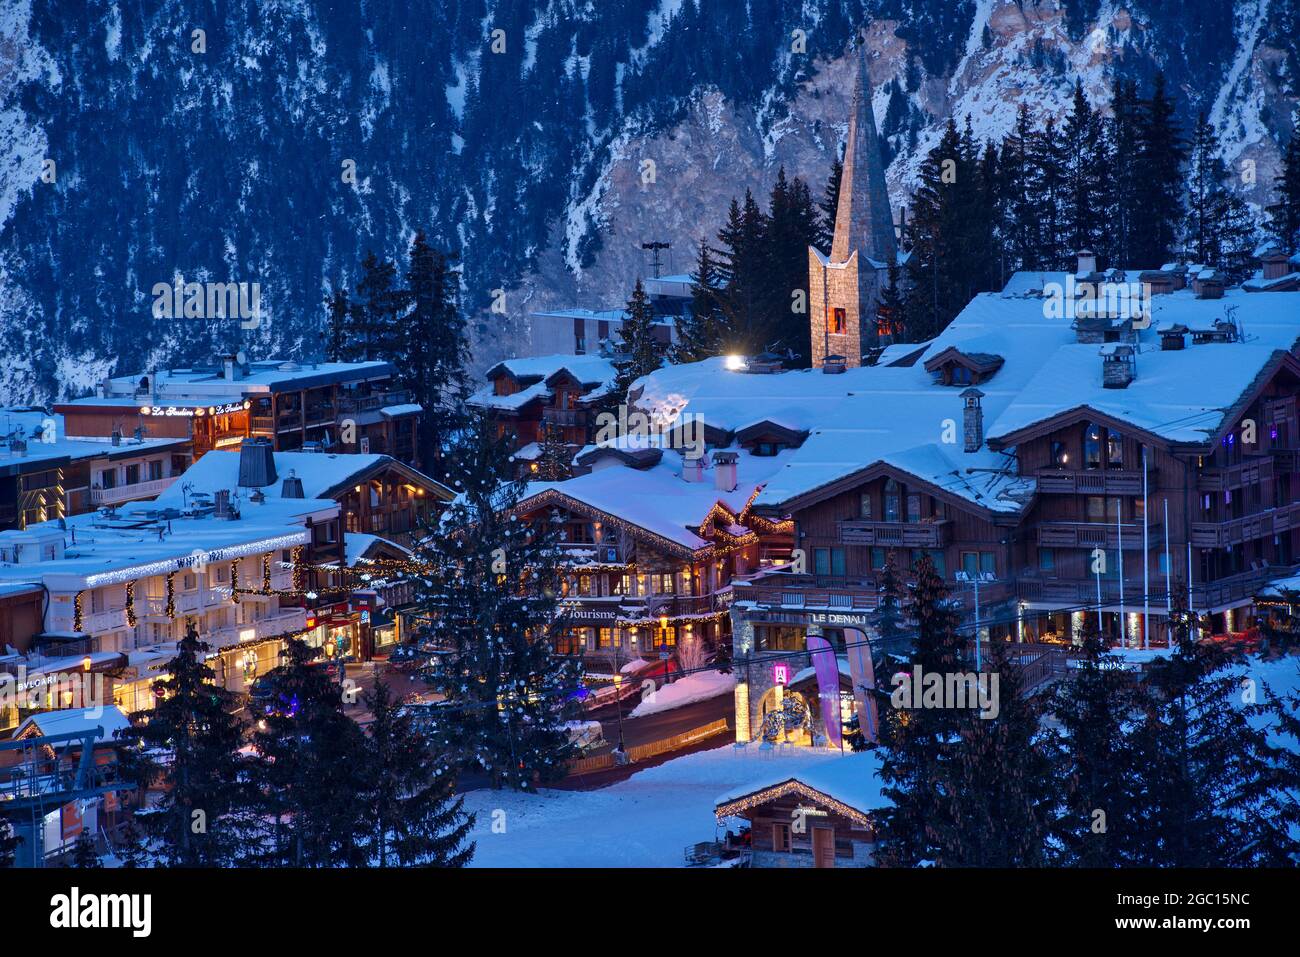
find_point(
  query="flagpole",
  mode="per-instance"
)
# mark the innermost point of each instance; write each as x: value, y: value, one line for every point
x: 1169, y: 588
x: 1146, y: 559
x: 1119, y: 529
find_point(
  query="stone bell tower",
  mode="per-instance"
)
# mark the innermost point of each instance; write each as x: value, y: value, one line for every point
x: 845, y: 287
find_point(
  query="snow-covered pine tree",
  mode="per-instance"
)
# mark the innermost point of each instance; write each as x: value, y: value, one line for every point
x: 888, y: 616
x: 1218, y: 230
x: 1085, y: 174
x: 310, y: 770
x: 702, y: 332
x: 434, y: 349
x: 84, y: 855
x: 918, y: 744
x: 1094, y: 761
x: 829, y: 204
x: 489, y: 584
x: 1275, y: 843
x: 638, y: 352
x: 1207, y: 775
x: 411, y: 812
x: 1284, y: 213
x: 338, y: 311
x: 198, y: 819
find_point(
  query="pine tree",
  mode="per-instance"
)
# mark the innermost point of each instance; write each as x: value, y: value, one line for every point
x: 744, y: 266
x: 829, y: 205
x: 84, y: 855
x: 490, y: 585
x: 310, y: 769
x: 435, y: 349
x: 1116, y: 247
x: 410, y: 808
x: 1218, y: 229
x: 638, y: 352
x: 197, y: 822
x: 1275, y: 842
x: 1021, y: 195
x: 339, y: 315
x: 791, y: 227
x: 381, y: 301
x: 994, y: 801
x: 554, y: 460
x: 1051, y: 177
x: 917, y: 745
x: 1284, y: 213
x: 703, y: 332
x: 888, y: 617
x: 1094, y: 761
x: 1161, y: 155
x: 132, y: 850
x: 1208, y: 776
x: 1083, y: 214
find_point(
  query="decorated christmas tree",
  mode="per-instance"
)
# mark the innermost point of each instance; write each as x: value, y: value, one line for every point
x: 489, y: 588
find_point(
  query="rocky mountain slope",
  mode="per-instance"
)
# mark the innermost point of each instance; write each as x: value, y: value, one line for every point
x: 289, y: 137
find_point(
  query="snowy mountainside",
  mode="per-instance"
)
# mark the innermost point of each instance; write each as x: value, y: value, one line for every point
x: 232, y: 164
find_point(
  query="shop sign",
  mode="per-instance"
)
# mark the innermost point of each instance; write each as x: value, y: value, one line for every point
x: 832, y: 618
x: 781, y: 673
x: 584, y: 612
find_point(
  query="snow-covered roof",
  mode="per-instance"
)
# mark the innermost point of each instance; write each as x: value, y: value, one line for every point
x: 853, y: 780
x: 322, y: 475
x: 109, y: 719
x: 658, y: 499
x: 596, y: 374
x: 47, y: 440
x: 271, y: 375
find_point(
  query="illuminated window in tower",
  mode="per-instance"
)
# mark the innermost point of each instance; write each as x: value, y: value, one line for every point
x: 839, y: 322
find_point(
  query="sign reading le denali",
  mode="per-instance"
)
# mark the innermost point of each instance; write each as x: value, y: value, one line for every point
x: 76, y: 910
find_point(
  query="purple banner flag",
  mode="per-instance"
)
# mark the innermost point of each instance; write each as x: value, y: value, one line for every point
x: 828, y: 686
x: 863, y: 671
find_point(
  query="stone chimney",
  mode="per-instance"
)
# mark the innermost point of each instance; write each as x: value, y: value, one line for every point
x: 972, y: 420
x: 1118, y: 365
x: 693, y: 468
x: 724, y: 471
x: 1087, y: 262
x: 833, y: 364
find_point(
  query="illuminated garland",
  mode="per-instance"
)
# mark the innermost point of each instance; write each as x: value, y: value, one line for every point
x: 130, y: 604
x: 297, y: 579
x: 758, y: 798
x: 234, y: 581
x: 76, y: 612
x: 266, y: 573
x: 170, y: 608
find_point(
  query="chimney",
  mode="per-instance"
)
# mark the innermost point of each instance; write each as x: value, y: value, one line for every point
x: 1118, y: 365
x: 1274, y: 263
x: 1173, y: 337
x: 972, y: 420
x: 116, y: 437
x: 693, y: 468
x: 1087, y: 262
x: 724, y: 471
x: 256, y: 463
x: 222, y: 502
x: 228, y: 368
x: 292, y: 486
x: 834, y: 365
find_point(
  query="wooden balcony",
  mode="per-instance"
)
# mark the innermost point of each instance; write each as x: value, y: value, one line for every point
x: 1257, y: 471
x: 1092, y: 535
x: 564, y: 417
x: 1266, y: 524
x: 1092, y: 481
x: 1081, y: 593
x: 1286, y: 460
x: 895, y: 534
x: 129, y: 493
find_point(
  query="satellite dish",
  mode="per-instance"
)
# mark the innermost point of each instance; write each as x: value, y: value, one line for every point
x: 241, y: 357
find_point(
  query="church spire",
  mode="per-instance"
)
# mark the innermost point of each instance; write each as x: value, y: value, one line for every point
x: 863, y: 221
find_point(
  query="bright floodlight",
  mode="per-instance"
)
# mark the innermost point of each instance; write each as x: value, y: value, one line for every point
x: 735, y: 363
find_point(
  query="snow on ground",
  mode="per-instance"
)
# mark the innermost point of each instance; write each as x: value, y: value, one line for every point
x: 646, y: 821
x: 688, y: 690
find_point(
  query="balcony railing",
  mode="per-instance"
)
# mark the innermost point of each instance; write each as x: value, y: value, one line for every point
x: 564, y: 417
x: 1082, y: 593
x: 933, y: 534
x: 1257, y: 471
x: 370, y: 403
x: 129, y: 493
x: 1092, y: 481
x: 1265, y: 524
x: 1092, y: 535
